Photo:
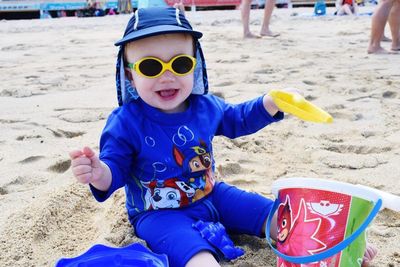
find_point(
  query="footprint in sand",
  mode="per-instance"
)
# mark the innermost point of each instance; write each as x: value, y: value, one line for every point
x: 346, y: 116
x: 347, y: 33
x: 358, y: 149
x: 21, y: 184
x: 266, y: 71
x: 309, y: 82
x: 16, y: 47
x: 232, y: 61
x: 78, y: 116
x: 222, y: 84
x: 310, y: 97
x: 3, y: 191
x: 77, y: 41
x: 18, y: 93
x: 67, y: 134
x: 23, y: 137
x: 60, y: 166
x: 368, y: 134
x: 389, y: 94
x: 349, y: 161
x: 230, y: 168
x: 11, y: 121
x: 32, y: 77
x: 31, y: 159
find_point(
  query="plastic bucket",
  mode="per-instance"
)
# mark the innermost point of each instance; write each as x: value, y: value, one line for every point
x: 321, y: 222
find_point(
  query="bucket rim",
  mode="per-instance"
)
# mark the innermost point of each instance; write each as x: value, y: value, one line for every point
x: 326, y: 185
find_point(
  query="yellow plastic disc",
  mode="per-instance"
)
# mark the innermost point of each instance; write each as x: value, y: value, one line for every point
x: 298, y: 106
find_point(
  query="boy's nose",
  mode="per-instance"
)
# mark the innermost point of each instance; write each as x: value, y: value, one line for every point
x: 167, y: 76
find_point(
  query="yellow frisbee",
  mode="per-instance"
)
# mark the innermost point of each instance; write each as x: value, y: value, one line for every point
x: 298, y: 106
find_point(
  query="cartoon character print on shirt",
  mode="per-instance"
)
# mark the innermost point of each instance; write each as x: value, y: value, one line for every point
x: 196, y: 163
x: 196, y: 181
x: 171, y: 193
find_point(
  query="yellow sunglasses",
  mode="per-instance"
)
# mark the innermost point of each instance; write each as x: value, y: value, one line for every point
x: 152, y: 67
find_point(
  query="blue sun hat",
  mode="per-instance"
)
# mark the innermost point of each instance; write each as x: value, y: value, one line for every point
x: 154, y: 21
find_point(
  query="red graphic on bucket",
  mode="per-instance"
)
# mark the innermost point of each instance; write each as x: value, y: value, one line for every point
x: 309, y: 222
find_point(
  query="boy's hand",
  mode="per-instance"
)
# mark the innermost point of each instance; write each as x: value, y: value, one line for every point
x: 87, y: 168
x: 369, y: 255
x: 270, y: 105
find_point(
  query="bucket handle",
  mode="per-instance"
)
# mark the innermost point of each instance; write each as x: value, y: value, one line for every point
x: 327, y: 253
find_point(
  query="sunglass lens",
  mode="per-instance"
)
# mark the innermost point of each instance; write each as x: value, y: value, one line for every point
x: 150, y: 67
x: 182, y: 65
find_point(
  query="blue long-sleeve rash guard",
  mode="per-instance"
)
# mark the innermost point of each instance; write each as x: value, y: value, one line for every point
x: 166, y: 160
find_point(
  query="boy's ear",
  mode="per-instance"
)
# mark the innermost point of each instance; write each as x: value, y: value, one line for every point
x: 129, y: 76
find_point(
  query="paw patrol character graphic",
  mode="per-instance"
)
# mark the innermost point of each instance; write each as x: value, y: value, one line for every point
x: 171, y: 193
x: 196, y: 162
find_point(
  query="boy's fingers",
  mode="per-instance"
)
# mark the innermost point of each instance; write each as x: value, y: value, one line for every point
x: 81, y: 161
x: 88, y: 152
x: 75, y: 153
x: 81, y: 169
x: 93, y: 157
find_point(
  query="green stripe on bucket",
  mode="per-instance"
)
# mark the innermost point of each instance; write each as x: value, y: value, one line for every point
x: 353, y: 254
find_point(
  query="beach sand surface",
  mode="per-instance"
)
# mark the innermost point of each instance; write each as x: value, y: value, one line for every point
x: 57, y: 89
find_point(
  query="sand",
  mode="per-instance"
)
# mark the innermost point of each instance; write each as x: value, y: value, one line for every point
x: 57, y: 89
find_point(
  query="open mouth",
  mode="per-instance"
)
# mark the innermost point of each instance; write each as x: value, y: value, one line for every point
x: 168, y: 93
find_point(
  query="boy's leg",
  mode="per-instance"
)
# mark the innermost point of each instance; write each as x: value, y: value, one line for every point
x: 240, y: 211
x: 170, y: 232
x: 202, y: 259
x: 273, y: 229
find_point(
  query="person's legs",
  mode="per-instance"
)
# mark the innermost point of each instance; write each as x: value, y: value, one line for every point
x: 394, y: 22
x: 269, y: 7
x: 340, y: 11
x: 347, y: 10
x: 386, y: 39
x: 245, y: 11
x: 379, y: 20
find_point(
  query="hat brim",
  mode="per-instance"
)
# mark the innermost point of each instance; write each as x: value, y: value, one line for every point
x: 156, y: 30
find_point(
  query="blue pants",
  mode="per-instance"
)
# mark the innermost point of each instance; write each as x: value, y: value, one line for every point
x: 170, y: 231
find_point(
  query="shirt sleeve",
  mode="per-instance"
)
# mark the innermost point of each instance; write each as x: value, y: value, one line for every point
x: 244, y: 118
x: 117, y: 151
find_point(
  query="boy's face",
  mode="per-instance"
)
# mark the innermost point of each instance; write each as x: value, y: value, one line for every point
x: 167, y: 92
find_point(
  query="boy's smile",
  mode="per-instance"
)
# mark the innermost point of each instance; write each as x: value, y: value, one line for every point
x: 168, y: 92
